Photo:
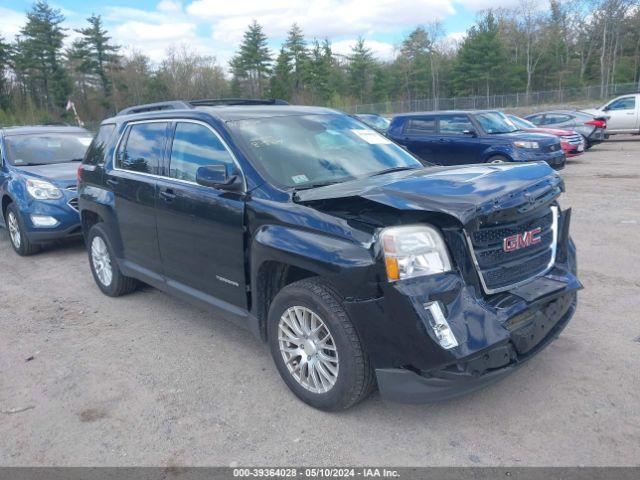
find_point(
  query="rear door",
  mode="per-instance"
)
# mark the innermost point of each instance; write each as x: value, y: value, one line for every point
x: 134, y: 182
x: 623, y: 115
x: 455, y: 146
x: 419, y: 135
x: 200, y: 229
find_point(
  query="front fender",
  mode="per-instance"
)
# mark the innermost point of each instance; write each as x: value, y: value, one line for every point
x: 503, y: 150
x: 350, y: 266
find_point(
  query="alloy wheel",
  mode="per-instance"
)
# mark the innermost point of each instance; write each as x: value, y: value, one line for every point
x: 308, y: 349
x: 14, y: 230
x: 101, y: 261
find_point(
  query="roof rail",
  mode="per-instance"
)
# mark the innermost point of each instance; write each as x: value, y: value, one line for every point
x: 204, y: 102
x: 214, y: 102
x: 153, y: 107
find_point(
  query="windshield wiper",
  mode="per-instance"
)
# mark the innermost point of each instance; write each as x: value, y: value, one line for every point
x: 309, y: 186
x: 393, y: 169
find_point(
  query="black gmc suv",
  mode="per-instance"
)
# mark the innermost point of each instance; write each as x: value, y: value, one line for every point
x: 355, y: 263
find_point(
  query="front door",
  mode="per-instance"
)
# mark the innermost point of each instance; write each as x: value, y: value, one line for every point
x: 623, y: 115
x: 134, y: 184
x: 200, y: 229
x: 459, y: 143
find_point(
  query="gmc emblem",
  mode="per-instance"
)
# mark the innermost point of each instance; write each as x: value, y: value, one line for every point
x: 521, y: 240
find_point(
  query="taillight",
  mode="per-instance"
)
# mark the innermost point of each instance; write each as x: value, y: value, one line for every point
x: 597, y: 123
x: 79, y: 174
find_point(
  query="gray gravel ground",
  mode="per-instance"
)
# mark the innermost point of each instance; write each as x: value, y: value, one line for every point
x: 149, y: 380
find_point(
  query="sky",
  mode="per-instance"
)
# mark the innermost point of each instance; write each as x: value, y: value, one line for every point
x: 215, y: 27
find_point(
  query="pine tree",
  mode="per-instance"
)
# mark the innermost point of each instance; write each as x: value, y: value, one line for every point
x: 5, y: 53
x: 481, y: 61
x: 280, y: 82
x: 98, y: 55
x: 320, y: 72
x: 252, y: 64
x: 39, y: 56
x: 361, y: 66
x: 415, y: 63
x: 297, y: 49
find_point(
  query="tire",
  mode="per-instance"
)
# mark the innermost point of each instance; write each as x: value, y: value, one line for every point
x: 345, y: 379
x: 17, y: 232
x: 104, y: 268
x: 587, y: 143
x: 498, y: 159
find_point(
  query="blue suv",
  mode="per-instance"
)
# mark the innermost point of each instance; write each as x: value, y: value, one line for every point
x: 38, y: 172
x: 461, y: 137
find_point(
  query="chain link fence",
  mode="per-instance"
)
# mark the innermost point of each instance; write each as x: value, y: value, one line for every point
x: 585, y: 96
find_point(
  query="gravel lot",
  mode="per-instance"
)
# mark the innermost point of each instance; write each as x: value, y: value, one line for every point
x: 149, y: 380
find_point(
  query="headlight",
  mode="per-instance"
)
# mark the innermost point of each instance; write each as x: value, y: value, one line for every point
x: 412, y: 251
x: 41, y: 190
x: 520, y: 144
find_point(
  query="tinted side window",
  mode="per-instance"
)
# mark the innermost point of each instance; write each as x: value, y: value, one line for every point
x: 420, y: 126
x: 627, y: 103
x: 142, y: 150
x: 554, y: 118
x: 95, y: 153
x: 455, y: 124
x: 535, y: 119
x: 195, y: 146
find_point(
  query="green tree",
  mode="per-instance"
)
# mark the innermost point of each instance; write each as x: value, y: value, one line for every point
x: 98, y: 56
x: 39, y: 56
x: 361, y: 69
x: 296, y: 45
x: 5, y: 53
x: 280, y: 82
x: 321, y: 64
x: 252, y: 64
x: 481, y: 59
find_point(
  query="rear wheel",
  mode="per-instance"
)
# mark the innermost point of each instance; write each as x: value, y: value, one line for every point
x: 17, y: 233
x: 104, y: 268
x: 587, y: 143
x: 316, y: 348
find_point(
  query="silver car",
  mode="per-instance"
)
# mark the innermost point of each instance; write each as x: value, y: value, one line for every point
x: 591, y: 127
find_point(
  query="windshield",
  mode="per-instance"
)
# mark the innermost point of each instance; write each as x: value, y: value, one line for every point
x: 308, y: 150
x: 495, y: 122
x: 46, y: 148
x: 521, y: 122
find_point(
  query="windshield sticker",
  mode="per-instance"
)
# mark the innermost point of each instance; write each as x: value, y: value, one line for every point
x: 299, y: 178
x: 54, y: 144
x: 85, y: 141
x: 372, y: 137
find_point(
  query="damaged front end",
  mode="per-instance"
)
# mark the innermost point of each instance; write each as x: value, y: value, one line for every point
x: 511, y: 292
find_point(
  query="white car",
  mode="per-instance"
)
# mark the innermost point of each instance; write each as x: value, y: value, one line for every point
x: 623, y: 113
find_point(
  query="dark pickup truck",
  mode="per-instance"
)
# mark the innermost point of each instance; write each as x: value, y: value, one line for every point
x: 358, y: 266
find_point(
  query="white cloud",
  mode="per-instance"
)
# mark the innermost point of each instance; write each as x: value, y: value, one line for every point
x: 320, y: 18
x: 11, y: 22
x: 478, y: 5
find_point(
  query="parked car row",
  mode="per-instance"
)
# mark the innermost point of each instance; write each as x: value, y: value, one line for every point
x: 355, y: 263
x: 490, y: 136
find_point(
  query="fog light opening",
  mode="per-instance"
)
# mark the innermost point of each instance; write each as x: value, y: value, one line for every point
x: 43, y: 221
x: 440, y: 326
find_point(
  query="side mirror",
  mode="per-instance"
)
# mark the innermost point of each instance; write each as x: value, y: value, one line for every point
x: 471, y: 133
x: 216, y: 176
x: 606, y: 108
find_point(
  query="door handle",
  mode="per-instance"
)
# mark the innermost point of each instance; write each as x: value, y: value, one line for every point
x: 168, y: 195
x: 113, y: 182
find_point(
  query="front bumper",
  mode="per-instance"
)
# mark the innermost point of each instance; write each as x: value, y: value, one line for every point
x: 495, y: 333
x: 555, y: 160
x: 67, y: 217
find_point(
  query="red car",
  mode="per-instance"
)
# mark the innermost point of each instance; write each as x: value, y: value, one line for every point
x: 571, y: 141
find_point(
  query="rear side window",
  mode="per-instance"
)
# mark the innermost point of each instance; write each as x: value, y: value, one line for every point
x: 96, y: 151
x: 455, y: 124
x: 142, y: 149
x: 195, y: 146
x: 535, y: 119
x: 555, y: 118
x: 420, y: 126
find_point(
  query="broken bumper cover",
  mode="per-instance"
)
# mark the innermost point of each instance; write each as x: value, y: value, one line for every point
x: 478, y: 371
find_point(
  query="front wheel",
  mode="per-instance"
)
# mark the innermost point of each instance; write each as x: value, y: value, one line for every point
x: 17, y: 233
x: 316, y: 348
x: 498, y: 159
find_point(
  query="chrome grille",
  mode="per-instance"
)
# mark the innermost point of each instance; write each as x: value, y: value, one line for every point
x: 500, y: 270
x: 575, y: 139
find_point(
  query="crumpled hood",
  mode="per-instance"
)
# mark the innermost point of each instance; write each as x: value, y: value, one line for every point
x: 463, y: 192
x: 56, y: 172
